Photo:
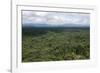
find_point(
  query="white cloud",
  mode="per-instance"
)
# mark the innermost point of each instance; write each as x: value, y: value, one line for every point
x: 55, y: 18
x: 41, y: 13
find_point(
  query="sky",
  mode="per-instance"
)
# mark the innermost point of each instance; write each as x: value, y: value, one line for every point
x: 44, y: 18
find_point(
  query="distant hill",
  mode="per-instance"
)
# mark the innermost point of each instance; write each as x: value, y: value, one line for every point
x: 63, y: 25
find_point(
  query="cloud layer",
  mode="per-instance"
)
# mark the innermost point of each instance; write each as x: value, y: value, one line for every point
x: 42, y: 18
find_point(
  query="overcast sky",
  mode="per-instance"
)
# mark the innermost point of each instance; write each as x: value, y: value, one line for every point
x: 42, y: 18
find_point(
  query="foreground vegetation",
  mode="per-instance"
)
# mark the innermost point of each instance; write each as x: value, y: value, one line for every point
x: 55, y: 44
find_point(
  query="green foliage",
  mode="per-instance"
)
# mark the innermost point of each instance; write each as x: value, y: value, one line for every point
x: 55, y: 45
